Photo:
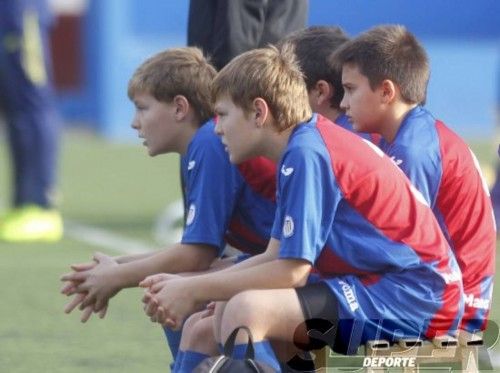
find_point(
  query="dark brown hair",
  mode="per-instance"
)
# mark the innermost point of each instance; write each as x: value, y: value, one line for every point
x: 313, y: 47
x: 389, y: 52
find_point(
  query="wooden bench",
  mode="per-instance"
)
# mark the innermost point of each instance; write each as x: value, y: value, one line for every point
x: 413, y: 352
x: 408, y: 354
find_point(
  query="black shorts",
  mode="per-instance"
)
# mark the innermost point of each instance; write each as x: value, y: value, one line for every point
x: 320, y: 308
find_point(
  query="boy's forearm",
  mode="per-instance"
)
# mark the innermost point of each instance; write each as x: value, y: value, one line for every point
x: 276, y: 274
x: 270, y: 254
x: 130, y: 258
x: 176, y: 259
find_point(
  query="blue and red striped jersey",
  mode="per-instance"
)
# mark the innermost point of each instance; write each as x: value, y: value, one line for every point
x: 345, y: 207
x: 441, y: 165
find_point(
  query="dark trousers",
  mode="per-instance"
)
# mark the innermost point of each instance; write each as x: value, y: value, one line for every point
x: 225, y: 28
x: 27, y: 101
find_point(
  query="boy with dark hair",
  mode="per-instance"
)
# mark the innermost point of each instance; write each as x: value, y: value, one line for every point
x: 313, y: 47
x: 225, y: 204
x: 343, y: 209
x: 385, y: 72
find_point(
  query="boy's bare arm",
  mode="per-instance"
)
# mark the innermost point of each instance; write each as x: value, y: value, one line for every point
x: 108, y: 277
x: 180, y: 296
x: 221, y: 266
x: 130, y: 258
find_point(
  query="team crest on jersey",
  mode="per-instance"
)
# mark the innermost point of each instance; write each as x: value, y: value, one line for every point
x: 288, y: 227
x: 191, y: 214
x: 191, y: 165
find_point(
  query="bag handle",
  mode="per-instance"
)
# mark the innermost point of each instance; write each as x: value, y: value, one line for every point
x: 229, y: 345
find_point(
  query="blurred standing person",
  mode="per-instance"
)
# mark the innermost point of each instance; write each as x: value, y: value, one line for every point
x: 224, y: 29
x: 27, y: 102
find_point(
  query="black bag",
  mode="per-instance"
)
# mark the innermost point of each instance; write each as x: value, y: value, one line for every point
x: 226, y: 363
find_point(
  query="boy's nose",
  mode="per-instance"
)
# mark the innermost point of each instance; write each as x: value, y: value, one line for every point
x: 343, y: 103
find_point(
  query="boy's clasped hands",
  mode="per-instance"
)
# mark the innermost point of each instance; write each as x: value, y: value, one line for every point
x: 165, y: 299
x: 92, y: 286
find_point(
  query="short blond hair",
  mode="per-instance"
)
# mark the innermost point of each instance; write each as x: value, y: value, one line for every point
x: 177, y: 71
x: 271, y: 74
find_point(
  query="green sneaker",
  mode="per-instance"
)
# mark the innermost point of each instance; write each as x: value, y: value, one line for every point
x: 31, y: 224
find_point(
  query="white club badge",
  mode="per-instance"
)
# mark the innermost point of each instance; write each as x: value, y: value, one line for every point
x: 191, y: 214
x: 288, y: 227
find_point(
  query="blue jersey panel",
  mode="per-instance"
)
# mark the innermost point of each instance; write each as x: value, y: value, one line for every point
x: 299, y: 224
x: 211, y: 190
x: 221, y: 204
x: 417, y: 152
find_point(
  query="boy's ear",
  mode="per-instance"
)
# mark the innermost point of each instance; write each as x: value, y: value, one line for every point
x: 261, y: 111
x: 388, y: 91
x: 323, y: 92
x: 181, y: 106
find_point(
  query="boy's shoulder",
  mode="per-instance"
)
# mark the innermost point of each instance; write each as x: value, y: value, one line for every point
x: 421, y: 133
x: 343, y: 150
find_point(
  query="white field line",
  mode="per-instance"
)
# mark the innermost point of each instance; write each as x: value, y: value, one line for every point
x: 104, y: 239
x: 166, y: 231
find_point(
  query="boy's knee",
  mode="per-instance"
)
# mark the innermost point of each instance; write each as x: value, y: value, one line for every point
x: 190, y: 323
x: 242, y: 309
x: 188, y: 328
x: 201, y: 338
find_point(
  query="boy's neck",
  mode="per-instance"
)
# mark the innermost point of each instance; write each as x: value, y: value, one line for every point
x: 185, y: 137
x: 394, y: 120
x: 330, y: 114
x: 275, y: 144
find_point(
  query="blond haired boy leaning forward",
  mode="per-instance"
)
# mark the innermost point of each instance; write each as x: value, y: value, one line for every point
x: 224, y: 203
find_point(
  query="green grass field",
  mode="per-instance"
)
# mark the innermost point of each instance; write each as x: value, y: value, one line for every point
x: 117, y: 188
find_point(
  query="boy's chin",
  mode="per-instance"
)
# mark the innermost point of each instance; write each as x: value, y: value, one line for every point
x: 236, y: 159
x: 153, y: 152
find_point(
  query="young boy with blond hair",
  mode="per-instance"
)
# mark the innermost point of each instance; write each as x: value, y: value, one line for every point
x: 343, y: 208
x: 385, y: 72
x: 224, y: 204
